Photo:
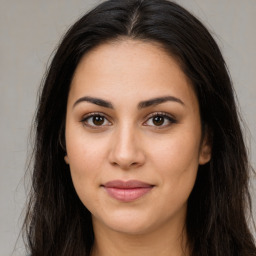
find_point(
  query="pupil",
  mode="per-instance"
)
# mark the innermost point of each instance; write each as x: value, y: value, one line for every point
x: 158, y: 120
x: 98, y: 120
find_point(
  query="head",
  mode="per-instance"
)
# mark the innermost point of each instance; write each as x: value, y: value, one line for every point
x: 219, y: 190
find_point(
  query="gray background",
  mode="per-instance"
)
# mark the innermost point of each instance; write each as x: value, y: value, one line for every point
x: 29, y: 32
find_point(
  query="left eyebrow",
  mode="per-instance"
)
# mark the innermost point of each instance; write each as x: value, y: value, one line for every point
x: 96, y: 101
x: 159, y: 100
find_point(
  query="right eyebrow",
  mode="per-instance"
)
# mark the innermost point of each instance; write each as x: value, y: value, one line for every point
x: 159, y: 100
x: 96, y: 101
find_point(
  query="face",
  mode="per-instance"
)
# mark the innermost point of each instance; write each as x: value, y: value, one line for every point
x: 133, y: 137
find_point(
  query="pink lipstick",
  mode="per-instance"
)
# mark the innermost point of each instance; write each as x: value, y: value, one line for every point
x: 127, y: 191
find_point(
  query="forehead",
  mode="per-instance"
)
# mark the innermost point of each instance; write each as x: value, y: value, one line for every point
x: 127, y: 55
x: 129, y: 66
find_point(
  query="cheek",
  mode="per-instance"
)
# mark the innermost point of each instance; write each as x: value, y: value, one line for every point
x: 85, y: 172
x: 178, y: 149
x: 83, y: 150
x: 176, y: 161
x: 86, y: 158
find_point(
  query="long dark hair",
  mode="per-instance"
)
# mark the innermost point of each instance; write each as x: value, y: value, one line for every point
x: 57, y: 223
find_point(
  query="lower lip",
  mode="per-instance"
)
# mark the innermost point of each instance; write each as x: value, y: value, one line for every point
x: 127, y: 194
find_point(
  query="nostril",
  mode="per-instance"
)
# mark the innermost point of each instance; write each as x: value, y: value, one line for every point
x: 115, y: 164
x: 125, y: 166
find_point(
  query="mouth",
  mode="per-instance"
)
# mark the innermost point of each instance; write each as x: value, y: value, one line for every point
x: 127, y: 191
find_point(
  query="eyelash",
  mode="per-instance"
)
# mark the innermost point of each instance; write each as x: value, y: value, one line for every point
x: 167, y: 117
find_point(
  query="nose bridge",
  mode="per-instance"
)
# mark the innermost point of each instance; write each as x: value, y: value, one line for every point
x: 126, y: 139
x: 126, y: 151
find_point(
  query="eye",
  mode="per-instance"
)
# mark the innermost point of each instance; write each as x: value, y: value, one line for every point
x: 160, y: 120
x: 95, y: 120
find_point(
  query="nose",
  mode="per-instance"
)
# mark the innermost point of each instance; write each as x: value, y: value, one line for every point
x: 126, y: 149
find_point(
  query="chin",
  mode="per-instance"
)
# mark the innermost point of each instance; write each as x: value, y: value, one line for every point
x: 130, y: 223
x: 130, y: 228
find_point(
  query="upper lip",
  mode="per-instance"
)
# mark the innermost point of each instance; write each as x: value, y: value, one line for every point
x: 127, y: 184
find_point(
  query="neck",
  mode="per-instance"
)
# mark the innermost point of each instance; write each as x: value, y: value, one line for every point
x: 161, y: 242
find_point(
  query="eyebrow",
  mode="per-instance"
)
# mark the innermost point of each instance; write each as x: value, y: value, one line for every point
x: 143, y: 104
x: 159, y: 100
x: 96, y: 101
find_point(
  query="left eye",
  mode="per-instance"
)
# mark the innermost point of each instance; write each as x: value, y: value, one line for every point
x: 96, y: 120
x: 160, y: 120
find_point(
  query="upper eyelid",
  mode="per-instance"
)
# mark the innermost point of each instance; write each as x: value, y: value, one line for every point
x: 148, y: 116
x: 160, y: 113
x: 95, y: 114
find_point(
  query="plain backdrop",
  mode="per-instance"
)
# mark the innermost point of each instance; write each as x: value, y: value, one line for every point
x: 30, y: 31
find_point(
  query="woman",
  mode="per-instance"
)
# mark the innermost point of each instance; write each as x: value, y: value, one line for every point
x: 138, y: 146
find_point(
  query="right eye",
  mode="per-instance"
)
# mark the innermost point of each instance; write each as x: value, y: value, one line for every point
x: 95, y: 120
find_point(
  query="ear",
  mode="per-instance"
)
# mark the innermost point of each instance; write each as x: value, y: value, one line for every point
x: 206, y: 148
x: 66, y: 159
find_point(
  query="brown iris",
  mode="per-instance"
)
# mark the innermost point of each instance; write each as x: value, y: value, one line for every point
x: 98, y: 120
x: 158, y: 120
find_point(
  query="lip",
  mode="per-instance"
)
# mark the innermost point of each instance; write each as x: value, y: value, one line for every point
x: 127, y: 191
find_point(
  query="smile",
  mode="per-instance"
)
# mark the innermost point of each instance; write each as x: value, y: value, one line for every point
x: 127, y: 191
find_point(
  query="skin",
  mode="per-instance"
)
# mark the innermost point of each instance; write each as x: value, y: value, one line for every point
x: 128, y: 144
